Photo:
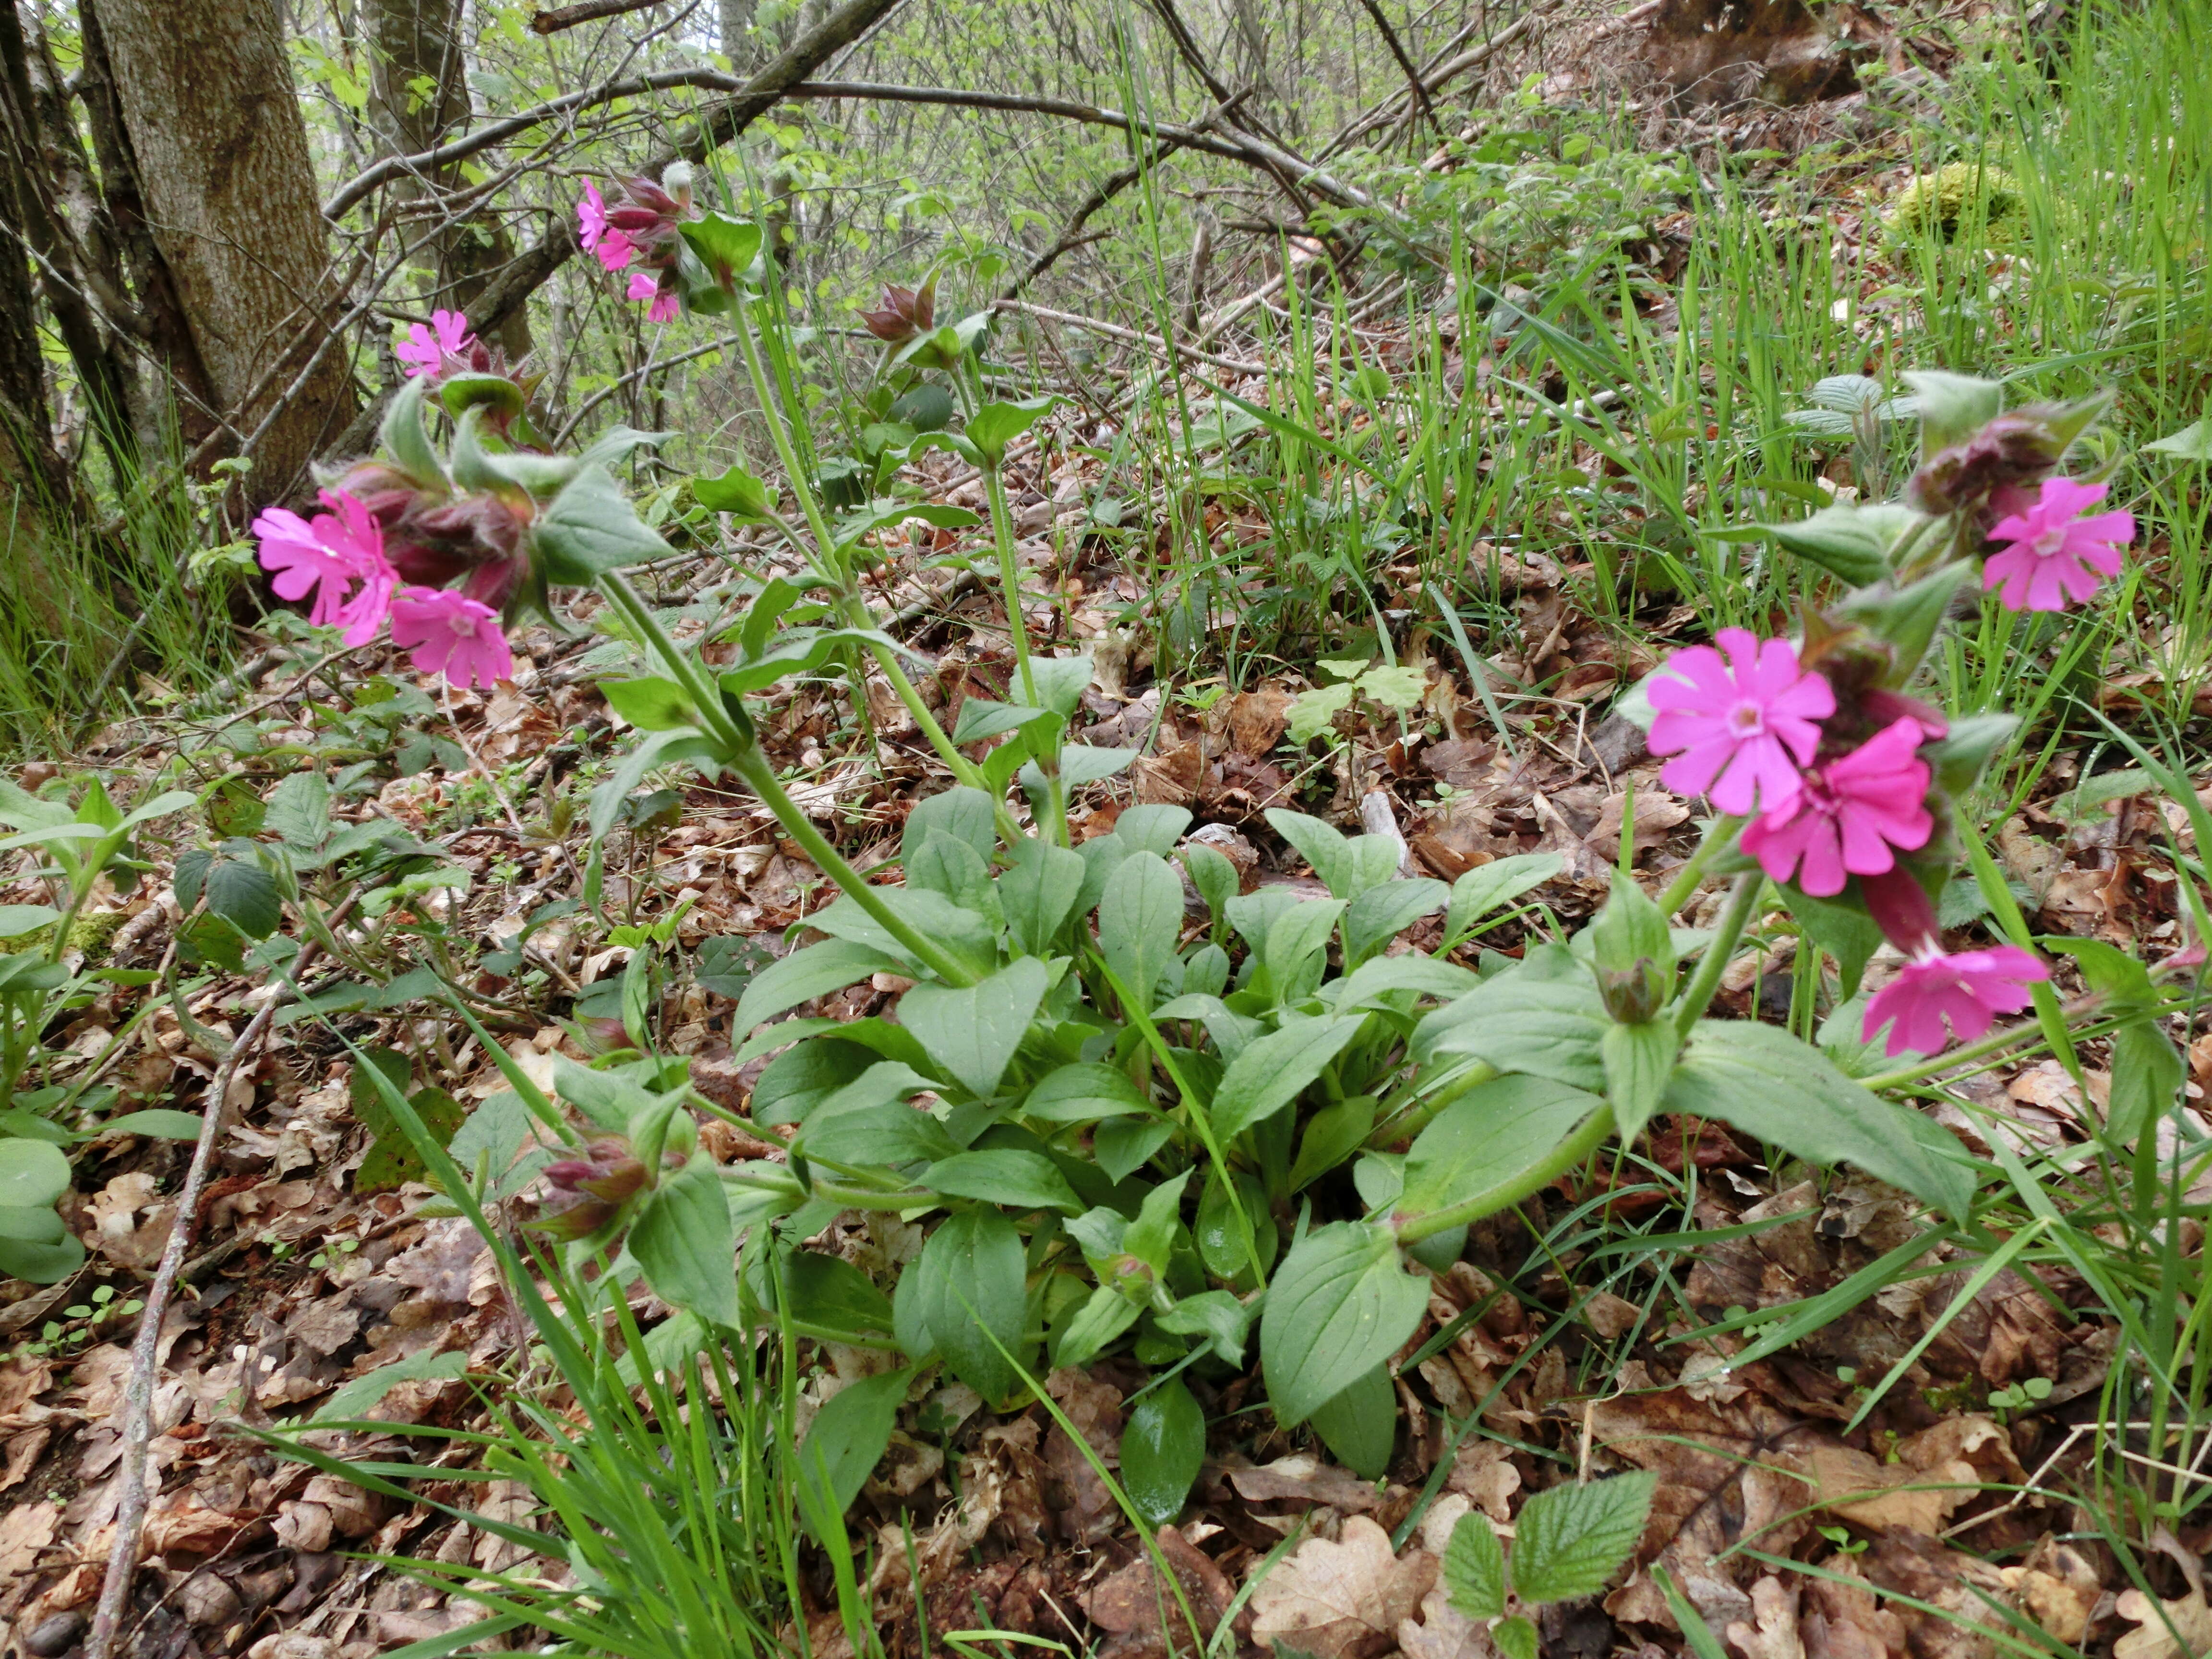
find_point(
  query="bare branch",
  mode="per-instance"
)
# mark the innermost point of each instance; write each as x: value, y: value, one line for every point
x: 568, y: 17
x: 1397, y: 50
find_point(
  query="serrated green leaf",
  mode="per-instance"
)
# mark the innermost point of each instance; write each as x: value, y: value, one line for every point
x: 1474, y: 1568
x: 1569, y: 1541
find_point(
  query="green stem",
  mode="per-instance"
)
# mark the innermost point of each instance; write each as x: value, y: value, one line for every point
x: 1994, y: 1043
x: 1743, y: 897
x: 750, y: 764
x: 1718, y: 835
x: 1575, y: 1150
x: 1396, y: 1125
x: 1010, y: 579
x: 706, y: 697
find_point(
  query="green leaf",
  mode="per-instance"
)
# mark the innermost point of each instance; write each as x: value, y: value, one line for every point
x: 2146, y: 1068
x: 17, y: 919
x: 245, y: 896
x: 1844, y: 930
x: 404, y: 440
x: 41, y: 1264
x: 1296, y: 941
x: 804, y: 975
x: 32, y: 1223
x: 2192, y: 443
x: 1570, y: 1540
x: 1474, y: 1568
x: 1080, y: 764
x: 1219, y: 1239
x: 393, y: 1158
x: 1123, y: 1145
x: 1331, y: 1136
x: 981, y: 718
x: 738, y: 493
x: 829, y: 1293
x: 1953, y: 407
x: 973, y: 1031
x: 1768, y: 1084
x: 1163, y: 1444
x: 686, y: 1246
x: 845, y: 1442
x: 1098, y: 1323
x: 1139, y: 921
x: 726, y: 246
x: 1319, y: 844
x: 1381, y: 914
x: 1038, y: 894
x: 673, y: 747
x: 33, y: 1174
x: 1487, y: 1139
x: 590, y: 528
x: 362, y: 1395
x: 299, y: 811
x: 1909, y: 617
x: 1515, y: 1639
x: 159, y: 1122
x: 1487, y: 886
x: 1517, y: 1022
x: 1638, y: 1060
x: 463, y: 392
x: 1850, y: 541
x: 1360, y: 1425
x: 963, y: 1298
x: 1273, y: 1071
x: 1083, y: 1092
x: 1216, y: 1315
x: 1013, y: 1180
x: 651, y: 704
x: 1340, y: 1305
x: 994, y: 426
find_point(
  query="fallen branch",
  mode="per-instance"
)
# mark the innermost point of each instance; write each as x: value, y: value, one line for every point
x: 145, y: 1349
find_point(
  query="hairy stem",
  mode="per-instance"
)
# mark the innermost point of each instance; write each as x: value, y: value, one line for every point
x: 1742, y: 897
x: 1719, y: 834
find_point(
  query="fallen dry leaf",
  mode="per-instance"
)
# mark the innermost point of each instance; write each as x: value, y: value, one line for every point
x: 1444, y: 1633
x: 1304, y: 1477
x: 2189, y: 1636
x: 1343, y: 1600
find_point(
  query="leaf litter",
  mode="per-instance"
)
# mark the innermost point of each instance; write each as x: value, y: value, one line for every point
x: 1795, y: 1522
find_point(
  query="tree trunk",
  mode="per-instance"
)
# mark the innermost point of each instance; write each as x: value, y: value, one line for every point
x: 418, y: 97
x: 47, y: 166
x: 33, y: 482
x: 219, y: 154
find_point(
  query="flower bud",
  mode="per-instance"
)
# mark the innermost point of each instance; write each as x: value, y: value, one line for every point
x: 2012, y: 450
x: 903, y: 313
x: 1632, y: 994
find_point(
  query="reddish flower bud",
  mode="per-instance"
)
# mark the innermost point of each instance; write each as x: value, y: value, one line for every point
x: 2011, y: 452
x: 903, y: 313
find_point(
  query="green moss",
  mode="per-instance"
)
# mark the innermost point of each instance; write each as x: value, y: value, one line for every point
x: 1958, y: 197
x: 91, y: 932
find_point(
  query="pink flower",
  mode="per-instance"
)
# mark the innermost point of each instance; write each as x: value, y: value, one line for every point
x: 1969, y: 989
x: 663, y: 307
x: 614, y: 251
x: 1739, y: 729
x: 329, y: 555
x: 449, y: 632
x: 591, y: 217
x: 425, y: 352
x: 644, y: 285
x: 2055, y: 555
x: 1848, y: 815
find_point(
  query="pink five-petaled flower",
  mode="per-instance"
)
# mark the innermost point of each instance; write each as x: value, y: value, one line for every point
x: 612, y: 248
x: 449, y: 633
x: 2056, y: 555
x: 1969, y: 988
x: 1848, y: 815
x: 329, y: 554
x: 1738, y: 728
x: 425, y: 350
x: 644, y: 285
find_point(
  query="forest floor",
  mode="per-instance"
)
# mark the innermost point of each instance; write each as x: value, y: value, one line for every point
x: 1949, y: 1521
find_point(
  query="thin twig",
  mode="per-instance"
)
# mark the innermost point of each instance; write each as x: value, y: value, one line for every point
x: 138, y: 1394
